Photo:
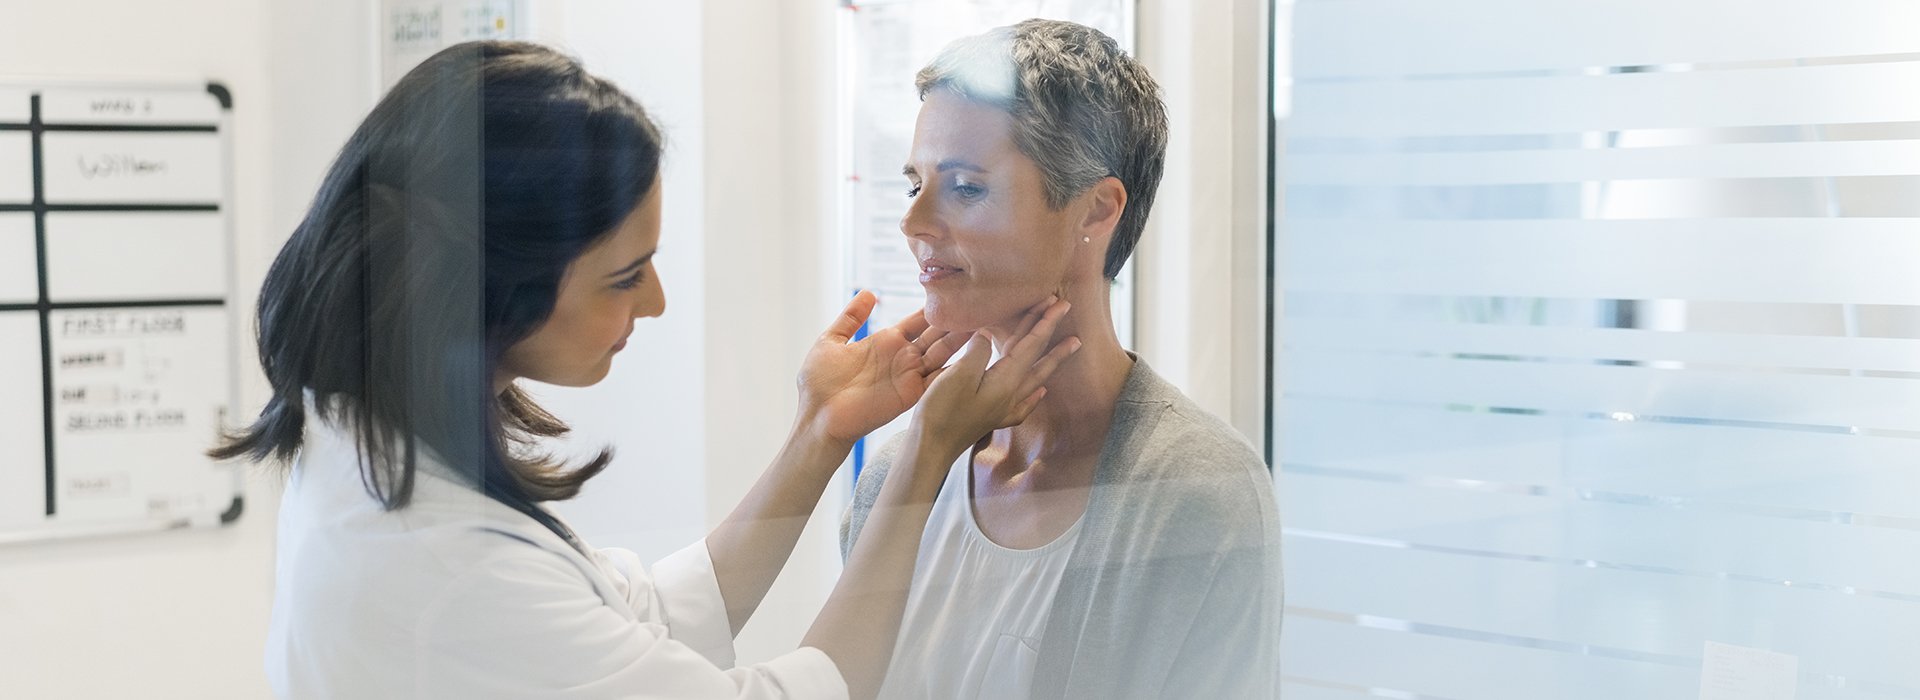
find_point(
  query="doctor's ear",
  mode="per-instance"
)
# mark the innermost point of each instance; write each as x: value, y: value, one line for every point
x: 1106, y: 200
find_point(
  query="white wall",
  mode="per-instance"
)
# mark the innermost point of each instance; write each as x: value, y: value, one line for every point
x: 650, y: 407
x: 172, y: 615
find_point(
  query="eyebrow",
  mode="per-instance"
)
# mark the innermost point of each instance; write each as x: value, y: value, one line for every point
x: 945, y: 165
x: 635, y: 265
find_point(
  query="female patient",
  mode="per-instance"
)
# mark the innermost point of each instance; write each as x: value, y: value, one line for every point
x: 1121, y: 542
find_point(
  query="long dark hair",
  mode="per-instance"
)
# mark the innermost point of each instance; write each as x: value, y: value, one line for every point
x: 437, y: 241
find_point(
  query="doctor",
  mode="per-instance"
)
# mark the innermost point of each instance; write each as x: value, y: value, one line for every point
x: 495, y: 218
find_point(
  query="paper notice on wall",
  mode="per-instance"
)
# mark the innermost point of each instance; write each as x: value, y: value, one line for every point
x: 415, y: 29
x: 1730, y: 672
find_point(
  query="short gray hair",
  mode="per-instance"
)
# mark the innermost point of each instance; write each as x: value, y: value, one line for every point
x: 1082, y: 110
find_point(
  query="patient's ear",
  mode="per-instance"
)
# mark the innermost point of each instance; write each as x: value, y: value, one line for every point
x: 1105, y: 201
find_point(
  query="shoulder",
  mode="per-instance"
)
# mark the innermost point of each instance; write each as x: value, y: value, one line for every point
x: 338, y: 542
x: 866, y: 491
x: 873, y: 472
x: 420, y: 554
x: 1164, y: 434
x: 1172, y: 456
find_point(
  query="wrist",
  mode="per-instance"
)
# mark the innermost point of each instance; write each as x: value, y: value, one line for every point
x: 936, y: 441
x: 810, y: 433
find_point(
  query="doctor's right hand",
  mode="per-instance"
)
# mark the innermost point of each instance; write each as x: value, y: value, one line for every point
x: 849, y: 388
x: 968, y: 399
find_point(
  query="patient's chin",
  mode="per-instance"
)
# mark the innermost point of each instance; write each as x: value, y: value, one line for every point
x: 959, y: 317
x: 949, y: 316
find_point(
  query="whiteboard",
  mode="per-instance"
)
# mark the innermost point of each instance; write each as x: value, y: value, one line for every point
x: 22, y: 437
x: 132, y: 413
x: 132, y: 168
x: 884, y: 42
x: 156, y: 255
x: 117, y: 339
x: 19, y: 270
x: 16, y: 184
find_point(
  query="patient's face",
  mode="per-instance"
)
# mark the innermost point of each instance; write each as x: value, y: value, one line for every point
x: 979, y: 225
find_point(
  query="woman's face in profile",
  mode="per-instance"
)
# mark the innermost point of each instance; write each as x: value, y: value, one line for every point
x: 601, y: 294
x: 988, y: 245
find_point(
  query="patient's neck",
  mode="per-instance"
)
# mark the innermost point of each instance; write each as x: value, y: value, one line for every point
x: 1068, y: 428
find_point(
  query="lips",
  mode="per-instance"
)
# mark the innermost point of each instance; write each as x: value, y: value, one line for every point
x: 934, y: 270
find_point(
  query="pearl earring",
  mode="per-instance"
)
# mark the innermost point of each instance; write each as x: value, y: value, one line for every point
x: 1086, y: 239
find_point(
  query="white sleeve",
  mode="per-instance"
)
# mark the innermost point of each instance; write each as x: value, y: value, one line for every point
x: 686, y: 593
x: 530, y: 624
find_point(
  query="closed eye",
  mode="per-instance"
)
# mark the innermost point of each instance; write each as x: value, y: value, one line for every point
x: 633, y: 280
x: 634, y: 273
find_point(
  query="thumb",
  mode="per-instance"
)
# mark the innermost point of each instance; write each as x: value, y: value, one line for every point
x: 979, y: 351
x: 853, y: 317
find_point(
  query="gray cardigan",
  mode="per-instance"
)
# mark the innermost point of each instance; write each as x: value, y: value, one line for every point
x: 1173, y: 589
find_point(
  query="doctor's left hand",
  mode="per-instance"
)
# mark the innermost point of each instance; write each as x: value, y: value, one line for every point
x: 849, y: 389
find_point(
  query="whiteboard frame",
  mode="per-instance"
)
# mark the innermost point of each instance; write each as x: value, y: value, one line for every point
x: 54, y: 530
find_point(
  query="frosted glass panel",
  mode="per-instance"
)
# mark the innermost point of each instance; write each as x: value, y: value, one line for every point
x: 1598, y: 348
x: 1816, y: 94
x: 1419, y: 37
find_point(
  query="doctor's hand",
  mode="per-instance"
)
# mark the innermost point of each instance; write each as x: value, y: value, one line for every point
x: 850, y: 388
x: 970, y: 399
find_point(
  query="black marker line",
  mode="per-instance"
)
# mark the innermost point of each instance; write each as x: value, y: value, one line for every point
x: 134, y: 304
x: 5, y: 208
x: 132, y: 207
x: 136, y: 128
x: 44, y: 307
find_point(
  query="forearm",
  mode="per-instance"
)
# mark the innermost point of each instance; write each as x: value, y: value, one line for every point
x: 860, y: 622
x: 752, y: 545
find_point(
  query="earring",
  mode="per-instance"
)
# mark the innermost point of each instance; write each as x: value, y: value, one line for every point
x: 1086, y: 239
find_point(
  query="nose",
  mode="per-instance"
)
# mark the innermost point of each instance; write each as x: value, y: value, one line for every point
x: 653, y: 302
x: 920, y: 221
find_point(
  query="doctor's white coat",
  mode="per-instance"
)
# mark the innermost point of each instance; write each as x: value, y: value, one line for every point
x: 459, y: 596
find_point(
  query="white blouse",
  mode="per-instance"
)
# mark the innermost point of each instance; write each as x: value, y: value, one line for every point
x: 976, y: 612
x: 459, y: 596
